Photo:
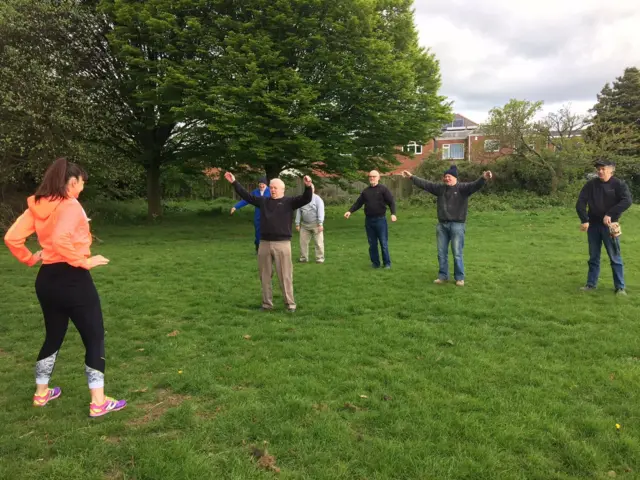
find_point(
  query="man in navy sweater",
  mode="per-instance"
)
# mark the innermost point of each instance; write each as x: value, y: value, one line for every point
x: 601, y: 202
x: 375, y: 199
x: 453, y: 204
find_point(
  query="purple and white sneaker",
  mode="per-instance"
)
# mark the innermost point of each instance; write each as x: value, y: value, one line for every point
x: 110, y: 405
x: 42, y: 400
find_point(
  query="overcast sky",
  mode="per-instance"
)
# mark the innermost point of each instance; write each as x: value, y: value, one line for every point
x: 558, y: 51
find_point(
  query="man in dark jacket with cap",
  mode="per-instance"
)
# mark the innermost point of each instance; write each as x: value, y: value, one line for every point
x: 600, y: 204
x: 453, y: 203
x: 261, y: 191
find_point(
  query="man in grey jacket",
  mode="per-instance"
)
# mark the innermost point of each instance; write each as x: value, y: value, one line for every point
x: 310, y: 224
x: 453, y: 203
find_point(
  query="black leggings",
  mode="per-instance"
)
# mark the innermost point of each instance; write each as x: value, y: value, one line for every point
x: 69, y: 292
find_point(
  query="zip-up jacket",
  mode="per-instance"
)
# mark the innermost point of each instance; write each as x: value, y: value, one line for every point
x: 62, y: 228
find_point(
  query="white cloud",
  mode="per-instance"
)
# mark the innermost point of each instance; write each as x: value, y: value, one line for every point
x: 557, y: 51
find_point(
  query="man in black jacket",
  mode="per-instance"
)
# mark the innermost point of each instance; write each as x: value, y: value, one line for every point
x: 276, y: 217
x: 375, y: 199
x: 453, y: 203
x: 601, y: 202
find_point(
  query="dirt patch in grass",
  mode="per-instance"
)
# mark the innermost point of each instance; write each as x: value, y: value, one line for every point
x: 263, y: 458
x: 165, y: 400
x: 114, y: 474
x: 208, y: 414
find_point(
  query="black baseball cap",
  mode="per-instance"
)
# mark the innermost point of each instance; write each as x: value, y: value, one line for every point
x: 603, y: 162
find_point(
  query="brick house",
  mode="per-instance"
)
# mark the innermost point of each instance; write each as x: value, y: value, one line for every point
x: 462, y: 140
x: 459, y: 140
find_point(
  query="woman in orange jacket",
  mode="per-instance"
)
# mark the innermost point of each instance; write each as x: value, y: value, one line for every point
x: 64, y: 286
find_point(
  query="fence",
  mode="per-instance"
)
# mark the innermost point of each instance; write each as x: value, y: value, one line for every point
x: 223, y: 189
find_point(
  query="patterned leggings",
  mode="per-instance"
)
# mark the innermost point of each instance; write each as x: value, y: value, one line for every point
x: 68, y: 292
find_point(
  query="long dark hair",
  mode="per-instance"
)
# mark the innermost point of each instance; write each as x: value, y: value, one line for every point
x: 54, y: 183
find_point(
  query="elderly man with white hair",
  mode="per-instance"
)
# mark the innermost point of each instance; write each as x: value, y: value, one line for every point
x: 276, y: 218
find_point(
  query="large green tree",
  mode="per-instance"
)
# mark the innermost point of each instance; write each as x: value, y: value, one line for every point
x: 51, y: 97
x: 105, y: 80
x: 157, y: 52
x: 316, y: 85
x: 286, y: 84
x: 615, y: 125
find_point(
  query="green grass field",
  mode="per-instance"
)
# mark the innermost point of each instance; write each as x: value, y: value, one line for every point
x: 379, y: 375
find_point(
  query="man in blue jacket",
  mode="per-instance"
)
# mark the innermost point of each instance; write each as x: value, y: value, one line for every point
x: 261, y: 191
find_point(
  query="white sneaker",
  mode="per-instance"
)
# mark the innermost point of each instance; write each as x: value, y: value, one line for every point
x: 460, y: 283
x: 440, y: 281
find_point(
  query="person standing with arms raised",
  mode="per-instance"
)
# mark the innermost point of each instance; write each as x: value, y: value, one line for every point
x: 276, y: 219
x: 376, y: 198
x: 453, y: 204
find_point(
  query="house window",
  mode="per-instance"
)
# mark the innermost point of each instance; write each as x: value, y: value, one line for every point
x: 491, y: 146
x: 413, y: 147
x: 454, y: 151
x: 458, y: 122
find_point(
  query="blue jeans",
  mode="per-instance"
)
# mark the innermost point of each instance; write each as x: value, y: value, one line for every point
x: 597, y: 235
x: 450, y: 232
x: 377, y: 231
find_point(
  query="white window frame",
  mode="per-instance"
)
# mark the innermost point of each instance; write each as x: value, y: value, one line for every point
x: 494, y: 142
x: 417, y: 149
x: 446, y: 151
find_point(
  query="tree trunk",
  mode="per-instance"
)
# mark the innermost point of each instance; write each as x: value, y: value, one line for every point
x: 272, y: 171
x: 154, y: 195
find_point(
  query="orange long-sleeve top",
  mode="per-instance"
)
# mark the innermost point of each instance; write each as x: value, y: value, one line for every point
x: 62, y: 228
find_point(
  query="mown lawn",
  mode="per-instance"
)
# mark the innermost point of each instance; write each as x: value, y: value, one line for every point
x: 379, y: 375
